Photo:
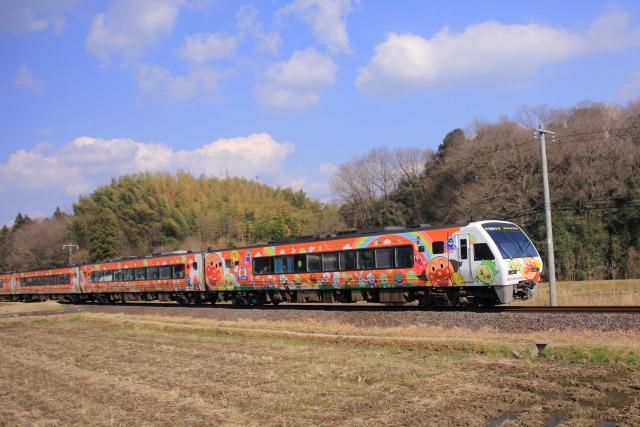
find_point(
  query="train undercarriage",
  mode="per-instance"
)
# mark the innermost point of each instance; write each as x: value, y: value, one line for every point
x: 427, y: 297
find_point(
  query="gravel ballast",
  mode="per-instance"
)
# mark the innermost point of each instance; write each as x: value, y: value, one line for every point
x: 498, y: 321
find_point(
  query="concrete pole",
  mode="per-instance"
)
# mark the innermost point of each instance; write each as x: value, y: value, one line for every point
x: 551, y: 267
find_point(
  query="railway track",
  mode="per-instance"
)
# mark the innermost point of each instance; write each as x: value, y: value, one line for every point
x: 373, y: 307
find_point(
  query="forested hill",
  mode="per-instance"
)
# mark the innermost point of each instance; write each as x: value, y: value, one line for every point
x: 490, y: 170
x: 149, y: 212
x: 493, y: 170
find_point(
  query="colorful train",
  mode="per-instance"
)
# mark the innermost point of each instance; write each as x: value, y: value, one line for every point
x: 482, y: 263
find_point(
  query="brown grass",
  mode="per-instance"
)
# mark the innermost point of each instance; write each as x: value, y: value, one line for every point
x: 98, y: 369
x: 595, y: 292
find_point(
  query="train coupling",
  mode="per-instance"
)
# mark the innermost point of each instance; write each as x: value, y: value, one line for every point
x: 525, y: 290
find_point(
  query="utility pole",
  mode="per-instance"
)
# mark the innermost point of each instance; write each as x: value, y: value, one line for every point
x: 547, y: 212
x: 71, y: 247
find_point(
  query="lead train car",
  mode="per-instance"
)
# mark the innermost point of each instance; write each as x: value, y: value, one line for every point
x: 482, y: 263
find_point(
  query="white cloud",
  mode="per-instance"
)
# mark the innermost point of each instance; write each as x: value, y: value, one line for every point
x: 201, y: 48
x: 130, y: 27
x: 630, y: 90
x: 328, y: 168
x: 25, y: 79
x: 247, y: 23
x: 34, y: 15
x: 489, y: 52
x: 201, y: 81
x: 86, y: 162
x: 327, y: 19
x: 296, y: 84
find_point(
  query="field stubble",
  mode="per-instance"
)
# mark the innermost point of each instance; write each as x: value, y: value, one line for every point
x: 116, y: 369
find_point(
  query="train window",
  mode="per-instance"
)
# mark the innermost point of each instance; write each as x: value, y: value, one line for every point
x: 438, y: 247
x: 364, y: 259
x: 152, y: 273
x: 107, y: 276
x: 347, y: 260
x: 117, y: 276
x: 141, y: 273
x: 178, y: 271
x: 314, y: 262
x: 329, y: 261
x: 128, y: 274
x: 384, y: 258
x: 165, y: 272
x: 262, y: 265
x: 481, y: 252
x: 464, y: 249
x: 404, y: 257
x: 227, y: 263
x: 283, y: 264
x: 300, y: 263
x: 278, y: 265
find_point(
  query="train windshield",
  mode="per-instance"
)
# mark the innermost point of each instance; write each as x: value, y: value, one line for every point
x: 510, y: 240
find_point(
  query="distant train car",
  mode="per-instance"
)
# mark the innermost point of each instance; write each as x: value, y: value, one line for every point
x: 175, y: 276
x: 7, y: 287
x: 40, y: 285
x: 482, y: 263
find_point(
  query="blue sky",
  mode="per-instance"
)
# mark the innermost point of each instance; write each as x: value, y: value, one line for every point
x: 282, y: 91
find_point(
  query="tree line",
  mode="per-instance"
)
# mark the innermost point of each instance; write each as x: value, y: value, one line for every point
x: 489, y: 170
x: 493, y: 170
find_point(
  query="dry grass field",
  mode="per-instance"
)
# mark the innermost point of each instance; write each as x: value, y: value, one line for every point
x: 595, y: 292
x: 115, y: 370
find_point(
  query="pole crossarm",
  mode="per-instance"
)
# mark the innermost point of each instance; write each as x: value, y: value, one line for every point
x: 71, y: 247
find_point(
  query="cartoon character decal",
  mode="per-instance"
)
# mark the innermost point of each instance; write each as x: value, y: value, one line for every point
x: 486, y: 272
x: 214, y: 269
x: 531, y: 269
x: 440, y: 271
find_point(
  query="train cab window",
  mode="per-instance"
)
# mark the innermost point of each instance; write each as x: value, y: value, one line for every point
x: 364, y: 259
x: 141, y: 273
x: 384, y: 258
x: 482, y: 252
x: 313, y: 262
x: 178, y: 271
x: 165, y: 272
x: 347, y: 260
x: 262, y: 265
x: 329, y: 261
x: 404, y: 257
x: 438, y: 248
x: 117, y: 275
x: 152, y: 273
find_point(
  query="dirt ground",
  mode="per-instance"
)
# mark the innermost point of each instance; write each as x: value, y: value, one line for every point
x: 111, y: 366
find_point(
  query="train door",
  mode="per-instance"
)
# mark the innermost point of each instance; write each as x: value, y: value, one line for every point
x: 465, y: 269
